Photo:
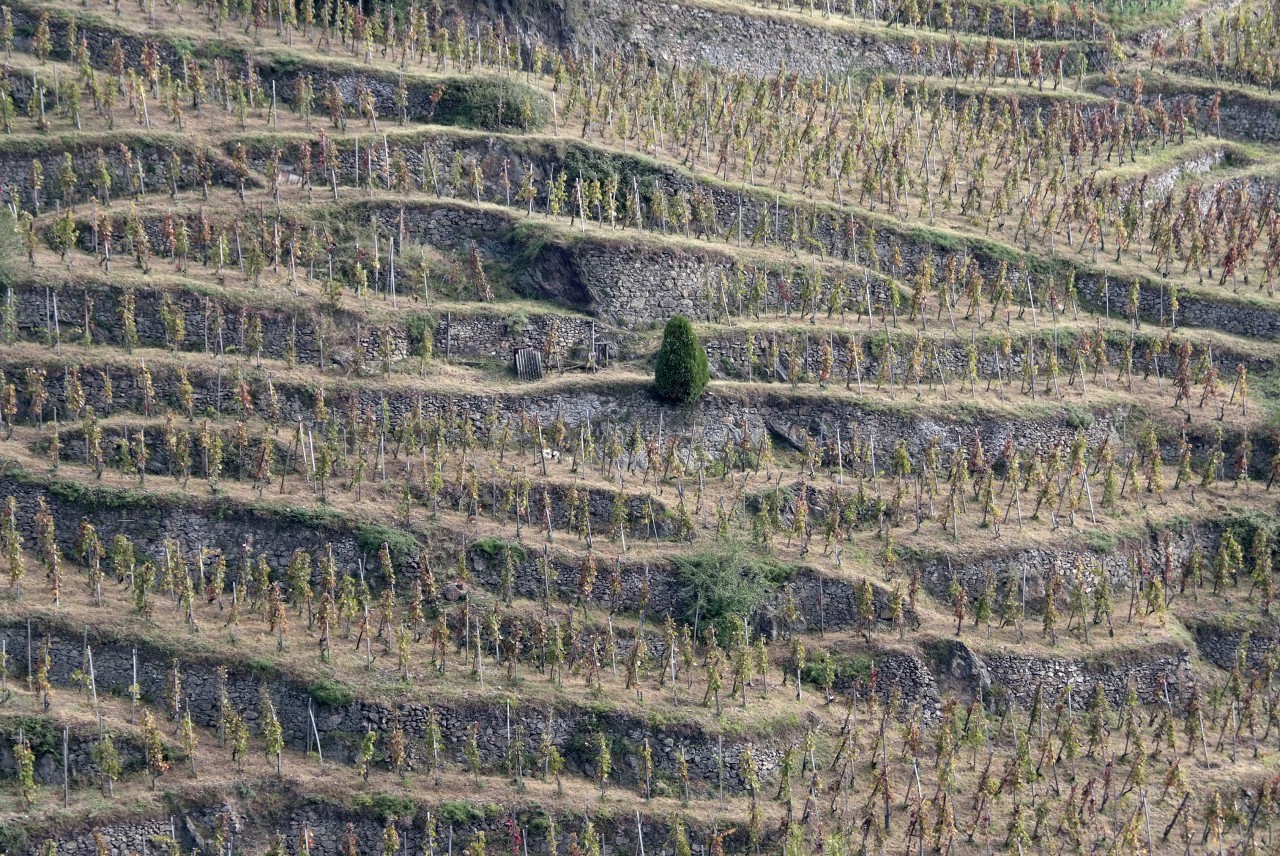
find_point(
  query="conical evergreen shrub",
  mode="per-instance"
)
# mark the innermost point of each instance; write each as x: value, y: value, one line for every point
x: 681, y: 373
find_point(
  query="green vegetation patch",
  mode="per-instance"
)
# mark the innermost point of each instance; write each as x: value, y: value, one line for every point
x: 843, y: 669
x: 385, y: 806
x: 371, y: 536
x: 328, y: 691
x: 496, y: 548
x: 419, y: 327
x: 681, y: 372
x: 726, y: 583
x: 492, y: 104
x: 459, y: 813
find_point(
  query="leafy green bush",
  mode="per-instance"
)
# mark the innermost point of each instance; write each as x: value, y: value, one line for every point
x: 103, y: 497
x: 182, y: 47
x: 283, y: 64
x: 1245, y: 524
x: 383, y: 806
x: 1078, y: 417
x: 321, y: 519
x: 12, y: 840
x: 597, y: 164
x: 371, y: 536
x: 495, y: 548
x: 681, y: 373
x: 518, y: 322
x: 459, y: 813
x: 419, y: 326
x: 492, y: 104
x: 40, y: 734
x: 10, y: 248
x: 726, y: 583
x: 1101, y: 542
x: 846, y: 668
x: 329, y: 692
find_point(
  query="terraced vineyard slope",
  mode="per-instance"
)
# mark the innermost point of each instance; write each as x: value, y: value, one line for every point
x: 621, y: 427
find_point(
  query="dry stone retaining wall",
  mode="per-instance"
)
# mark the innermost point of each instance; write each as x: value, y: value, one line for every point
x: 822, y: 600
x: 1220, y: 645
x: 254, y: 824
x: 763, y: 43
x: 603, y: 407
x: 342, y: 727
x: 1031, y: 567
x: 471, y: 333
x: 1017, y: 678
x: 730, y: 356
x: 82, y: 765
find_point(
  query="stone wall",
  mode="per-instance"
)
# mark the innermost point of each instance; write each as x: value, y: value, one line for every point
x: 760, y: 42
x: 823, y: 601
x: 827, y: 30
x: 475, y: 101
x: 1239, y: 316
x: 730, y: 356
x: 1220, y: 645
x: 1232, y: 316
x: 1153, y: 546
x: 254, y: 824
x: 642, y: 283
x: 212, y: 325
x: 483, y: 100
x: 1158, y: 183
x: 1184, y: 22
x: 1244, y: 116
x: 907, y: 677
x: 1017, y: 677
x: 883, y: 424
x: 45, y: 738
x: 123, y: 837
x: 966, y: 17
x: 240, y: 464
x: 214, y: 525
x: 637, y: 285
x: 341, y: 728
x: 215, y: 324
x: 151, y: 151
x: 220, y: 527
x: 602, y: 405
x: 497, y: 335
